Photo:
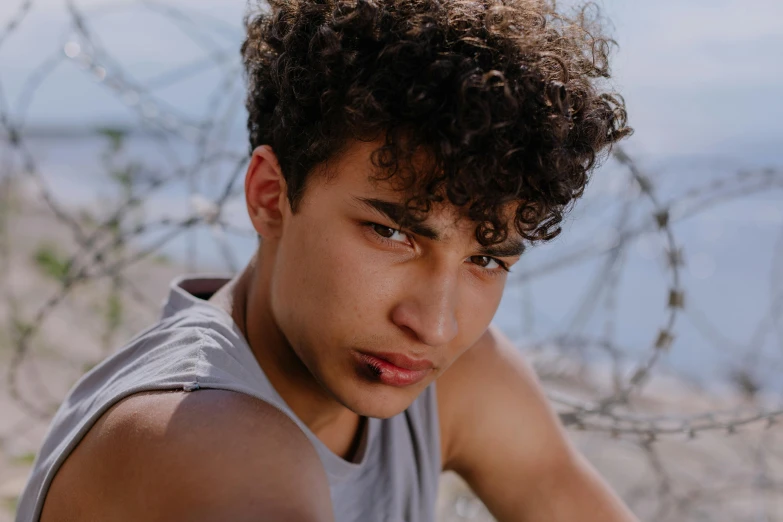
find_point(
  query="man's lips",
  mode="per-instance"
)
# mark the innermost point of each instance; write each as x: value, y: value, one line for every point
x: 402, y: 361
x: 393, y: 369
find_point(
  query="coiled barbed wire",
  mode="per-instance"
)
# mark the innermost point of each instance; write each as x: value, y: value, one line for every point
x: 112, y: 246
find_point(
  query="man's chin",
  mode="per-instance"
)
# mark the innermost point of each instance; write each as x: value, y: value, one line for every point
x: 378, y: 403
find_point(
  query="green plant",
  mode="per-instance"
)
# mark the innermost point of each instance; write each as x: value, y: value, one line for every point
x: 25, y: 459
x: 11, y: 504
x: 51, y: 262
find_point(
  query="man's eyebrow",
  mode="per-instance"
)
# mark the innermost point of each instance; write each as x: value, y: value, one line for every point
x: 395, y: 212
x: 511, y: 248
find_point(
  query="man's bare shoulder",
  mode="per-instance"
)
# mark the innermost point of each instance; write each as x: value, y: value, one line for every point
x: 202, y: 456
x: 489, y: 381
x: 502, y: 436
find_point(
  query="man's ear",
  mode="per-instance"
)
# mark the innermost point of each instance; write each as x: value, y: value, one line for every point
x: 265, y: 192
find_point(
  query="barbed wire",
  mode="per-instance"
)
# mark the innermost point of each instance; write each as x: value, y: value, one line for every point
x: 110, y: 246
x: 15, y: 20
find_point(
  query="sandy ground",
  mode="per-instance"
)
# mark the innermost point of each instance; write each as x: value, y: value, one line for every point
x: 715, y: 477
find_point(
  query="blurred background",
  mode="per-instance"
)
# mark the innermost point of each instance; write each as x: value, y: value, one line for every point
x: 655, y: 321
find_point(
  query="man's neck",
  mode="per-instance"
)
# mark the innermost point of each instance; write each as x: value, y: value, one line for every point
x: 247, y: 301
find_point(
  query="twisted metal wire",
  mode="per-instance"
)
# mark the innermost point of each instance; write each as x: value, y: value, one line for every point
x: 110, y: 248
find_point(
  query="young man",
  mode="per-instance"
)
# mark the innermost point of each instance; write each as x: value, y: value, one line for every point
x: 403, y: 153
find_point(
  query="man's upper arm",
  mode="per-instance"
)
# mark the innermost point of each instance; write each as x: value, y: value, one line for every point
x: 504, y: 439
x: 199, y: 456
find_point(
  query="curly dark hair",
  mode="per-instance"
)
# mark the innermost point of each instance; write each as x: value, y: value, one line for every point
x: 502, y: 95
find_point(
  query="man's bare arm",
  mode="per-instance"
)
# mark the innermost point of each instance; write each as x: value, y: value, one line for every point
x: 209, y: 455
x: 503, y: 438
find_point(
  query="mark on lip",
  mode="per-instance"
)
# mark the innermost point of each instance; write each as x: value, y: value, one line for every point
x: 374, y: 368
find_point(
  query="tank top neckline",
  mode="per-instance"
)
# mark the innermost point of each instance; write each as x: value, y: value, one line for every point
x: 181, y: 296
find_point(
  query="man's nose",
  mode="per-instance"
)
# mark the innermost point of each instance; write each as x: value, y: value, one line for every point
x: 428, y: 310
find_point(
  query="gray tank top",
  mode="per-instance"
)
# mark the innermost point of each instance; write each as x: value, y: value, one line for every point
x: 394, y: 477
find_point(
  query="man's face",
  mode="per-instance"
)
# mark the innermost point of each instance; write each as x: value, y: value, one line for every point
x: 350, y: 291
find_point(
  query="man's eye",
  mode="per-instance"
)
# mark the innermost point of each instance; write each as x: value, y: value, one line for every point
x: 389, y: 233
x: 487, y: 262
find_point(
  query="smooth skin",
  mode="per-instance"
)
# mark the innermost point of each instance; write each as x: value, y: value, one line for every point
x: 335, y: 276
x: 175, y: 456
